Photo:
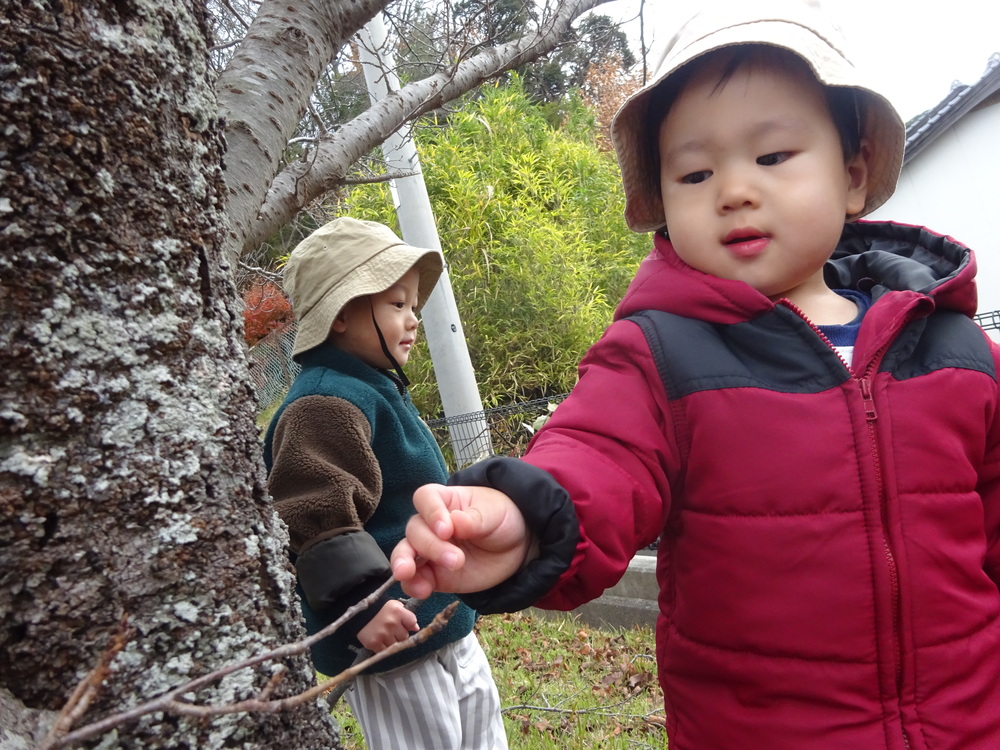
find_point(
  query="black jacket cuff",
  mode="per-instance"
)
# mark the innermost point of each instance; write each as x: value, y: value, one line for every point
x: 548, y: 512
x: 328, y: 570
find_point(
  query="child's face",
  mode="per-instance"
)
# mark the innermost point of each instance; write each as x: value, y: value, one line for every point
x: 395, y: 309
x: 753, y: 179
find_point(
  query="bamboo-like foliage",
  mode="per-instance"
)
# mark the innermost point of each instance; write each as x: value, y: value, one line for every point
x: 530, y: 219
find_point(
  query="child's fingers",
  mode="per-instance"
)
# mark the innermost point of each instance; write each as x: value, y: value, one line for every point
x: 409, y: 621
x: 406, y: 569
x: 419, y: 586
x: 427, y: 544
x: 415, y: 565
x: 469, y: 523
x: 399, y: 619
x: 483, y: 516
x: 403, y: 561
x: 433, y: 503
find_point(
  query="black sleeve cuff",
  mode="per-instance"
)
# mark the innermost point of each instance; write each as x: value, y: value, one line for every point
x: 338, y: 565
x: 548, y: 512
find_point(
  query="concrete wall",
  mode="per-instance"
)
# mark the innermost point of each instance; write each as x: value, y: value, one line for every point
x: 631, y: 602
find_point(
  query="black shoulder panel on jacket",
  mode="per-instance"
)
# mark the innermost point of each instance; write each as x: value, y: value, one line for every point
x: 945, y: 339
x: 777, y: 351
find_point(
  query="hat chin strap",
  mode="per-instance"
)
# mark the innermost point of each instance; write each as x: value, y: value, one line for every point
x: 398, y: 368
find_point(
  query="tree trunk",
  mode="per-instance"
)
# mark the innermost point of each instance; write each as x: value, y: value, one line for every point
x: 130, y: 477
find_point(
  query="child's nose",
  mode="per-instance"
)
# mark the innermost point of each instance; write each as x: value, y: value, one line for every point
x: 737, y: 190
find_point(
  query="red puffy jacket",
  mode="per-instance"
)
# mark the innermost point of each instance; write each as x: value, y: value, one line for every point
x: 829, y: 536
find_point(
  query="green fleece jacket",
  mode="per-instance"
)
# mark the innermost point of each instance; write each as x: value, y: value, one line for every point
x: 344, y: 452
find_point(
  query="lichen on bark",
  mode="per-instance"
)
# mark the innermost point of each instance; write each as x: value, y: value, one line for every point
x: 130, y: 472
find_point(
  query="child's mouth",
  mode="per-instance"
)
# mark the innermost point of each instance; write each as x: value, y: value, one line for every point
x: 746, y: 244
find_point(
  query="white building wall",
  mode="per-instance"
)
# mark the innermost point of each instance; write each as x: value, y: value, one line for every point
x: 953, y: 187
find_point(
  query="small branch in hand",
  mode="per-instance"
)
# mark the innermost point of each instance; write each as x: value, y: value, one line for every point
x: 439, y: 621
x: 412, y: 604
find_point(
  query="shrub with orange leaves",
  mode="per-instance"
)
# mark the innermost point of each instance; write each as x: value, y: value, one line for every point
x: 605, y: 89
x: 265, y: 309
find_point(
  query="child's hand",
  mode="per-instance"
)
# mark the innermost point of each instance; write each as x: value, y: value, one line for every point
x: 393, y: 623
x: 462, y: 539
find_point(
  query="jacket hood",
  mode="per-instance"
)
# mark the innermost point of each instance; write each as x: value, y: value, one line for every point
x: 874, y: 257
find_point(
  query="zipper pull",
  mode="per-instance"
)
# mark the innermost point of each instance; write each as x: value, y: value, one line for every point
x: 866, y: 393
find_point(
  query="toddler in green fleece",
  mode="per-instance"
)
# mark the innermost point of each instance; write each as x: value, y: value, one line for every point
x: 345, y: 451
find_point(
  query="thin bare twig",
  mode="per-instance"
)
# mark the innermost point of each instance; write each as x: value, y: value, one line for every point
x: 173, y: 701
x: 375, y: 178
x: 236, y: 15
x: 605, y: 710
x: 85, y: 691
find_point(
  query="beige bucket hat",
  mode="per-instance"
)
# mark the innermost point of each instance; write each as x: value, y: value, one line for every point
x: 344, y: 259
x: 801, y: 26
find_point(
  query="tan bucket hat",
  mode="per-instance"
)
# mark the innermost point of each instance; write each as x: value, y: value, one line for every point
x: 801, y: 26
x: 344, y: 259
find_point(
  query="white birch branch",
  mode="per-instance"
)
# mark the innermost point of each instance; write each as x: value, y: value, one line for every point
x: 266, y: 88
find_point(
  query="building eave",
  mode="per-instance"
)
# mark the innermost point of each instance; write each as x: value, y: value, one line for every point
x: 926, y: 127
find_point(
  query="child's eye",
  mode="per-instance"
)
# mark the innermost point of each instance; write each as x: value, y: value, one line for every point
x: 769, y: 160
x: 399, y: 305
x: 695, y: 177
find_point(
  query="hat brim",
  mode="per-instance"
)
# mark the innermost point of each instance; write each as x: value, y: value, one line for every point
x: 374, y: 276
x: 883, y: 128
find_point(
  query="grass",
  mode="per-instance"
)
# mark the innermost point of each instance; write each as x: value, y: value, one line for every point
x: 264, y: 417
x: 566, y: 685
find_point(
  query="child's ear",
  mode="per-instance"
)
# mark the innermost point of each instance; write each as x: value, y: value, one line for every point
x: 339, y: 324
x: 857, y: 173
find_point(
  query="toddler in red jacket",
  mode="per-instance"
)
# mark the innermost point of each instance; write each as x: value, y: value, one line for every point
x: 796, y: 403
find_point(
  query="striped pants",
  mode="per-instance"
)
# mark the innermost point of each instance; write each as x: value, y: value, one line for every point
x: 445, y: 701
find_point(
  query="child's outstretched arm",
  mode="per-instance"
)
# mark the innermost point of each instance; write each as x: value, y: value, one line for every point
x: 595, y: 485
x: 463, y: 539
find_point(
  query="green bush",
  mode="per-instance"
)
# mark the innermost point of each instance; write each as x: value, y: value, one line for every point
x: 530, y: 220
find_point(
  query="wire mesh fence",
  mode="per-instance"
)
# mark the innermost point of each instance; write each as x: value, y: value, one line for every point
x: 510, y: 428
x: 272, y: 369
x: 989, y: 320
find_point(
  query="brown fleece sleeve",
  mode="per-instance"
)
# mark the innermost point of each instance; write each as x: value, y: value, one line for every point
x: 324, y: 477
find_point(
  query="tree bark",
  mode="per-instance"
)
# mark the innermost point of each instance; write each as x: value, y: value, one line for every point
x: 264, y: 90
x: 130, y: 476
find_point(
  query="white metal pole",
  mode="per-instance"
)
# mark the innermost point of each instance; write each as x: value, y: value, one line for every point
x: 456, y: 379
